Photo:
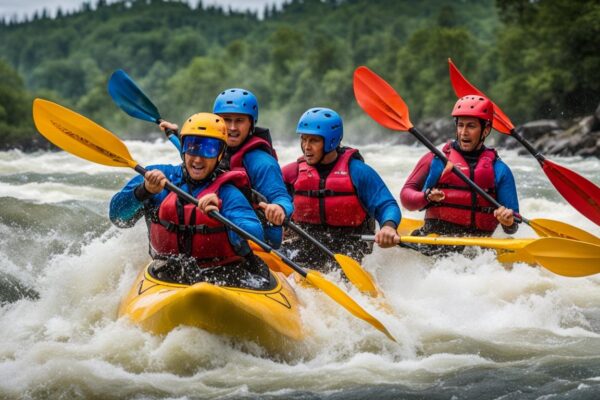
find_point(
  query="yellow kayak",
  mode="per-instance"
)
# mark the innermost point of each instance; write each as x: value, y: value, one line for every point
x: 269, y: 317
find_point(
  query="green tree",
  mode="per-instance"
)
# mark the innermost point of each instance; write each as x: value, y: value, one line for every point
x: 15, y: 119
x: 549, y: 60
x: 422, y: 70
x: 194, y: 88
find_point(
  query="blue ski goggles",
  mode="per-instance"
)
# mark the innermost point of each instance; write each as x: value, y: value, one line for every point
x: 202, y: 146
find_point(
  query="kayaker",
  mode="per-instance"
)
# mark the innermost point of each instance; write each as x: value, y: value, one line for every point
x: 180, y: 230
x: 451, y: 206
x: 336, y: 194
x: 249, y: 148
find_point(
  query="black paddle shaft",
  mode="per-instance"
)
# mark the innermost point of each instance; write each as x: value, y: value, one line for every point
x: 459, y: 173
x: 297, y: 229
x: 168, y: 131
x: 219, y: 217
x: 538, y: 156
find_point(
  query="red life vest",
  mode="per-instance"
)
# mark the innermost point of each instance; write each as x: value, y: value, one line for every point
x: 182, y: 229
x: 332, y: 201
x: 462, y: 205
x: 254, y: 142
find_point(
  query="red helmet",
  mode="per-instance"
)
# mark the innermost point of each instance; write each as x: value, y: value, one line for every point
x: 474, y: 106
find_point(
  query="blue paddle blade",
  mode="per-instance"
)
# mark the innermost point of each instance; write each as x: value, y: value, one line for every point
x: 130, y: 98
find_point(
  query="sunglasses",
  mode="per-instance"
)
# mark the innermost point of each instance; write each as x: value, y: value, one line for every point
x: 203, y: 146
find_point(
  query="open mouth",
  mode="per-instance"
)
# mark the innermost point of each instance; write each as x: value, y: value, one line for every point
x: 197, y: 168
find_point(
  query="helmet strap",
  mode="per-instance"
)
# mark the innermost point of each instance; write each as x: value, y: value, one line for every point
x: 193, y: 182
x: 484, y: 125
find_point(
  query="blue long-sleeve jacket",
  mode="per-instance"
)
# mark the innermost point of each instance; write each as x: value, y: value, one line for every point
x: 125, y: 209
x: 265, y: 177
x: 374, y: 195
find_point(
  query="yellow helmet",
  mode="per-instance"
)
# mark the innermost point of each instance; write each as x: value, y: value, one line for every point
x: 198, y: 135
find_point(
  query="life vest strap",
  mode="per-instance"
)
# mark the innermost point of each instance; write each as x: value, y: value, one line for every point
x: 202, y: 229
x: 485, y: 210
x: 491, y: 191
x: 320, y: 193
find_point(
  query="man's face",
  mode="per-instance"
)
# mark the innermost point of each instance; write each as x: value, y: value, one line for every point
x: 199, y: 167
x: 312, y: 148
x: 238, y: 128
x: 468, y: 133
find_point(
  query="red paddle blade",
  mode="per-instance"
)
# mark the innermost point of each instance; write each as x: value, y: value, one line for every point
x: 582, y: 194
x: 378, y: 99
x: 462, y: 87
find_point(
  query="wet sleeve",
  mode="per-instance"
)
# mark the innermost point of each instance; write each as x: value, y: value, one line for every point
x: 126, y: 208
x: 374, y: 195
x: 506, y: 189
x: 236, y: 208
x: 412, y: 193
x: 266, y: 177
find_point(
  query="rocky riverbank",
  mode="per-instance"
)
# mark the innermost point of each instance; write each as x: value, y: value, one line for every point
x: 580, y: 137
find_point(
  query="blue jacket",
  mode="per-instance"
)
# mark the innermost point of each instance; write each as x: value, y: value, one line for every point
x: 125, y: 208
x: 374, y: 195
x: 265, y: 177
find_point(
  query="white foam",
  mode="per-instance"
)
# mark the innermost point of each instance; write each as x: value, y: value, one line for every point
x: 448, y: 314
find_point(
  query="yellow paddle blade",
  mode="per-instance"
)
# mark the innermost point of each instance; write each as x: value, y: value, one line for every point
x: 515, y: 256
x: 566, y: 257
x: 79, y: 136
x: 562, y: 256
x: 552, y: 228
x: 318, y: 281
x: 357, y: 275
x: 408, y: 225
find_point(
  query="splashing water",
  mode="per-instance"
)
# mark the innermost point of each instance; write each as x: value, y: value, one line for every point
x: 467, y: 327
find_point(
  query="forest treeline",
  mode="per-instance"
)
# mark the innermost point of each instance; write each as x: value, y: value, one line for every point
x: 538, y: 59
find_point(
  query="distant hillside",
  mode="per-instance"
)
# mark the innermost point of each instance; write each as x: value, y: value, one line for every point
x: 302, y: 55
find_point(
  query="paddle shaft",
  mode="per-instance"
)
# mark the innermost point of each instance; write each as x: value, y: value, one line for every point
x: 152, y: 113
x: 503, y: 244
x: 351, y: 268
x: 297, y: 229
x: 559, y: 176
x: 459, y: 173
x: 582, y: 194
x: 371, y: 238
x: 538, y: 156
x: 171, y: 134
x: 219, y: 217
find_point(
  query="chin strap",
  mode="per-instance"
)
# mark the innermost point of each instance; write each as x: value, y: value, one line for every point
x: 192, y: 182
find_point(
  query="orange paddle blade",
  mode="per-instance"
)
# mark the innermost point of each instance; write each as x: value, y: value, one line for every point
x: 380, y: 100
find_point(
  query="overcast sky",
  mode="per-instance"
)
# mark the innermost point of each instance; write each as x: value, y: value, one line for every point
x: 9, y: 8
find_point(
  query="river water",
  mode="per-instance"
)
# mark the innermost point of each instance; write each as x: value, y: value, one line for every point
x: 467, y: 328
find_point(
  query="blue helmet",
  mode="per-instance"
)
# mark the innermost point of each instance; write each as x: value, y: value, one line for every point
x: 239, y: 101
x: 323, y: 122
